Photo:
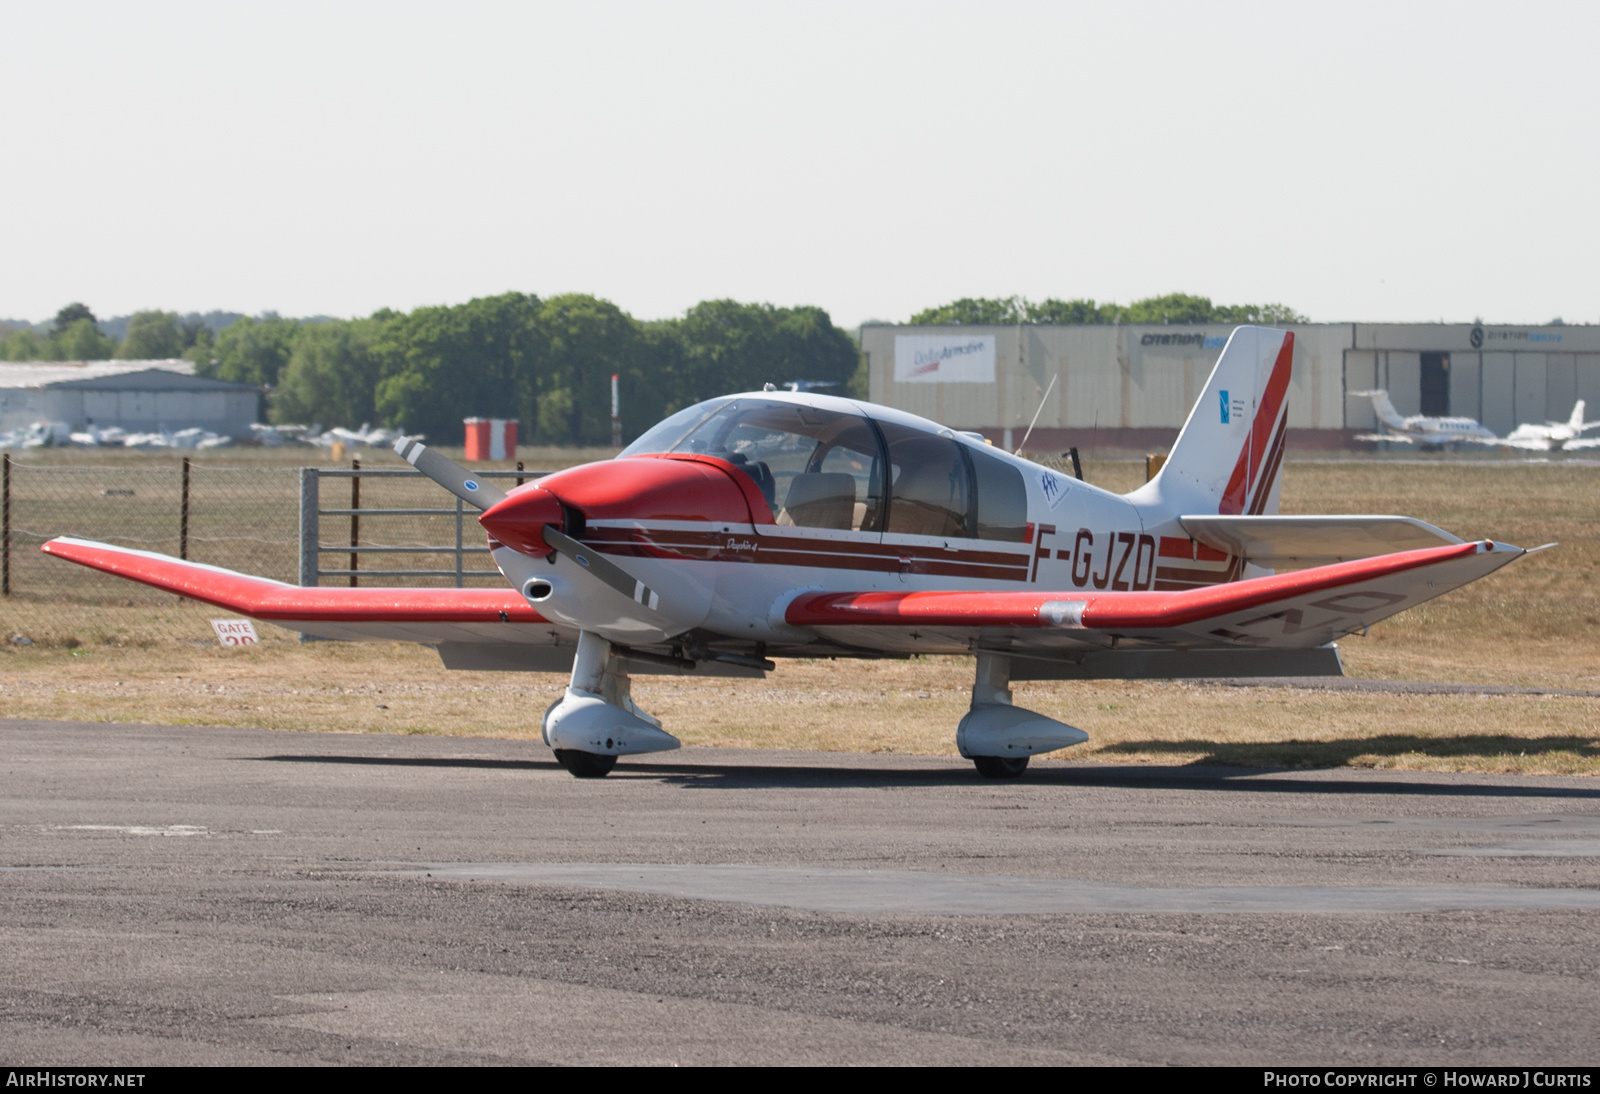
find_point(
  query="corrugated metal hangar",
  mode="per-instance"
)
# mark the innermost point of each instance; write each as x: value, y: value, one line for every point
x: 1133, y: 386
x: 137, y: 396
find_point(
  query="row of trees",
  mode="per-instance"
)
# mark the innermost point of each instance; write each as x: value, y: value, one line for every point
x: 76, y: 335
x: 546, y: 362
x: 1172, y: 308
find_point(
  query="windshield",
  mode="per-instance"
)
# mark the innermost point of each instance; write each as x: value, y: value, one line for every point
x: 816, y: 468
x: 669, y: 431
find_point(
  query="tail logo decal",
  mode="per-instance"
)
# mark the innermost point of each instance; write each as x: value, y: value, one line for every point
x: 1248, y: 484
x: 1224, y: 395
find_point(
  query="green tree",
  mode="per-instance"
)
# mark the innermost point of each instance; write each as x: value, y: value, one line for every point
x: 251, y: 351
x: 71, y: 314
x: 1272, y: 315
x: 1070, y: 312
x: 1173, y: 308
x: 725, y: 346
x: 975, y: 311
x: 22, y: 345
x: 81, y: 341
x: 443, y: 364
x: 331, y: 375
x: 152, y: 335
x: 588, y: 341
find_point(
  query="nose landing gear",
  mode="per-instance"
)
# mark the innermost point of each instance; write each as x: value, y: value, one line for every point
x: 596, y: 720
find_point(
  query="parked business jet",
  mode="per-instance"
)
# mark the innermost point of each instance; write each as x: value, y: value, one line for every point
x: 1435, y: 432
x: 1567, y: 435
x: 790, y: 524
x: 1421, y: 429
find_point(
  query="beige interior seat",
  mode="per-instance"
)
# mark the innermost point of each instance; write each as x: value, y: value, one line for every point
x: 820, y: 499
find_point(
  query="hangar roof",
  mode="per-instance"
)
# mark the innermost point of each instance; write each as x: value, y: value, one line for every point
x: 150, y: 379
x: 37, y: 374
x: 160, y: 375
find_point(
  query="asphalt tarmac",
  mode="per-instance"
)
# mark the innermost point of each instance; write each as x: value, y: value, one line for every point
x: 208, y: 895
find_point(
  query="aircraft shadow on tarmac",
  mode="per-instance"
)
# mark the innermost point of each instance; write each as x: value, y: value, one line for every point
x: 1341, y: 752
x: 1249, y: 779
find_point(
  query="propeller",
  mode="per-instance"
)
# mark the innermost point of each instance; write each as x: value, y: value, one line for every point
x: 602, y: 567
x: 448, y: 474
x: 460, y: 482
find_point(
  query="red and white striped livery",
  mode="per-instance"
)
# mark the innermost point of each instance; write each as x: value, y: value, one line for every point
x: 781, y: 524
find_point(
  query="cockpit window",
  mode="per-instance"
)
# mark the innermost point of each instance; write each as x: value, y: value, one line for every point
x: 941, y: 487
x: 669, y: 431
x: 931, y: 489
x: 1002, y: 498
x: 816, y: 468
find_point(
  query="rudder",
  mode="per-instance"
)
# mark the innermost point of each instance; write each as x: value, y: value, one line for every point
x: 1229, y: 456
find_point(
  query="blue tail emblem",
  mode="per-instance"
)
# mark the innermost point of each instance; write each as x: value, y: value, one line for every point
x: 1224, y: 395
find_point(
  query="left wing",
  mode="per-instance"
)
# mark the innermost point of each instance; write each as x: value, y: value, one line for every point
x: 1284, y: 611
x: 455, y: 620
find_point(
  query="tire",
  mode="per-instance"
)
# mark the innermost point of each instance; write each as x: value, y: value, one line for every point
x: 1000, y: 767
x: 586, y: 765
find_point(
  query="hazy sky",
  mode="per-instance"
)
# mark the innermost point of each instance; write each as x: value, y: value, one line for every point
x: 1356, y: 161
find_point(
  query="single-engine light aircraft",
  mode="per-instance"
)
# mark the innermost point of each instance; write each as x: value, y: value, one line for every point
x: 795, y: 524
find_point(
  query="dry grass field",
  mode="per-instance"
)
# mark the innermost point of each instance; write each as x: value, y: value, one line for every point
x: 1535, y: 624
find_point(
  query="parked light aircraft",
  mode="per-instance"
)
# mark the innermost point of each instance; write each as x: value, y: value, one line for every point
x: 778, y: 524
x: 1434, y: 432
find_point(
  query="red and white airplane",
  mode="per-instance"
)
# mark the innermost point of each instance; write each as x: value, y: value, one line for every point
x: 779, y: 524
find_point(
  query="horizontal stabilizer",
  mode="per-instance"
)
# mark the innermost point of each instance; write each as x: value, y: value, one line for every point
x: 1313, y: 540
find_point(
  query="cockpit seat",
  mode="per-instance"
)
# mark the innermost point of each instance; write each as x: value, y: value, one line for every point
x: 820, y: 499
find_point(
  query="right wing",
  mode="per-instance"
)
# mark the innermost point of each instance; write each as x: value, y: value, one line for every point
x: 1296, y: 610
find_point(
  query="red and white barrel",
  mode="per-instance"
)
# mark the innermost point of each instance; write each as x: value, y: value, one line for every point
x: 491, y: 438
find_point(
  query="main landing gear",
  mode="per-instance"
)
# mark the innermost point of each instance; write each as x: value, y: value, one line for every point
x: 1000, y: 767
x: 999, y: 738
x: 596, y: 720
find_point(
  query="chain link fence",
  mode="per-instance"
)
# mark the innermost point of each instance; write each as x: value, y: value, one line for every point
x: 370, y: 528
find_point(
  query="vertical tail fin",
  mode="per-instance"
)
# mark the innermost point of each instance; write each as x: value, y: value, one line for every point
x: 1384, y: 409
x: 1228, y: 457
x: 1575, y: 423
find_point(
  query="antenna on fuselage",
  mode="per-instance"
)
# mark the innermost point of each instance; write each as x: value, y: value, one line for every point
x: 1042, y: 400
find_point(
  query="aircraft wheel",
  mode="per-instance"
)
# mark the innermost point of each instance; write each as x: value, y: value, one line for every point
x: 587, y: 765
x: 1000, y: 767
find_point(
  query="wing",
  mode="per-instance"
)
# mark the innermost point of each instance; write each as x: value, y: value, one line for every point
x: 1297, y: 610
x: 1313, y: 540
x: 458, y: 621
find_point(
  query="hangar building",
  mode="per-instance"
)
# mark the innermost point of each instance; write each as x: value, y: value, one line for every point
x: 138, y: 396
x: 1132, y: 386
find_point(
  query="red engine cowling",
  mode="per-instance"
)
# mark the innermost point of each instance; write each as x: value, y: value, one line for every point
x: 688, y: 487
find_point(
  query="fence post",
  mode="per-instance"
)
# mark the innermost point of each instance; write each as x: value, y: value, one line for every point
x: 309, y: 503
x: 183, y: 519
x: 5, y: 536
x: 458, y: 543
x: 355, y: 521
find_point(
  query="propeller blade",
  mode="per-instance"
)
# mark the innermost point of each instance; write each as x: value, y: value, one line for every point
x: 602, y: 567
x: 448, y: 474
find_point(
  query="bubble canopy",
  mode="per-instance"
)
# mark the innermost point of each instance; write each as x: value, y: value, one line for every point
x: 825, y: 468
